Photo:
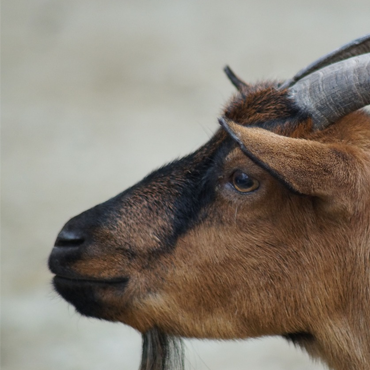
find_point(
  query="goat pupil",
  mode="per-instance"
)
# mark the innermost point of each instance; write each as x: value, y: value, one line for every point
x: 243, y: 183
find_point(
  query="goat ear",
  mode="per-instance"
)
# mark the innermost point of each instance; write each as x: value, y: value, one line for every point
x: 306, y: 167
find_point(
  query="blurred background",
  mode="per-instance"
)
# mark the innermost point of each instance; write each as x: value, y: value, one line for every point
x: 95, y: 95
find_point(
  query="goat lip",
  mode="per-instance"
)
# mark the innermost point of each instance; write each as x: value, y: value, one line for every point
x: 74, y: 280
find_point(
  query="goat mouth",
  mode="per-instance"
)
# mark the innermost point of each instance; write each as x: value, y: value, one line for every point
x: 91, y: 281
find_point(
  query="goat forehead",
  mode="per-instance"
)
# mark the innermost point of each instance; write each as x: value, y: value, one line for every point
x: 263, y: 105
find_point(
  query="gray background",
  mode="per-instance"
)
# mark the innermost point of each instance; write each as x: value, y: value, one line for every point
x: 95, y: 95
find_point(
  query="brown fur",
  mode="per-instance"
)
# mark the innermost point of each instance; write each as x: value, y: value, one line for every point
x: 259, y: 103
x: 291, y: 257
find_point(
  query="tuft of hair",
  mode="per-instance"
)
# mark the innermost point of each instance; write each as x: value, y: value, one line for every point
x: 161, y: 351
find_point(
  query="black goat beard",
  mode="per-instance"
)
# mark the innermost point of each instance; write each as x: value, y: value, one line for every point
x: 161, y: 351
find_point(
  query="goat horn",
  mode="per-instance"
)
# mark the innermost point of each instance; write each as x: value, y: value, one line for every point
x: 353, y: 48
x: 235, y: 80
x: 334, y: 91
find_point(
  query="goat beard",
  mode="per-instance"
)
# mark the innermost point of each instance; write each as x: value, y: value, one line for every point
x: 161, y: 351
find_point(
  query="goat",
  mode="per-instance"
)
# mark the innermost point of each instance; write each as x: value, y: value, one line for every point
x: 264, y: 230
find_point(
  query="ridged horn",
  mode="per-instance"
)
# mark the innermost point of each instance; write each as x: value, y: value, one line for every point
x: 235, y: 80
x: 334, y: 91
x: 353, y: 48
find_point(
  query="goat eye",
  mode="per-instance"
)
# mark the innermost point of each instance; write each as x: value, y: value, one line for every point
x: 244, y: 183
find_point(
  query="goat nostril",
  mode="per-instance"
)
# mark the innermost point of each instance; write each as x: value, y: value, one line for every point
x: 69, y: 239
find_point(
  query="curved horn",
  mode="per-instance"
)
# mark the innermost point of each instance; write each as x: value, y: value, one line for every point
x: 353, y: 48
x: 235, y: 80
x: 334, y: 91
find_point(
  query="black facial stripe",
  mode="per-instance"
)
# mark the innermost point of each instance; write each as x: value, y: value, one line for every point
x: 197, y: 191
x: 196, y: 194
